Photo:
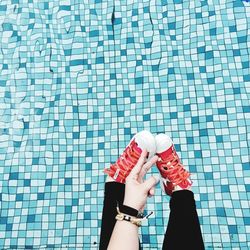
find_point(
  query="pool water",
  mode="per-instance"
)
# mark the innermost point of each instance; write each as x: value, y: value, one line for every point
x: 79, y: 78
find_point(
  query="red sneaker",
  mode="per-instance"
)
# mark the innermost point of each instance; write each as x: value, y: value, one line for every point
x: 174, y: 175
x: 130, y: 156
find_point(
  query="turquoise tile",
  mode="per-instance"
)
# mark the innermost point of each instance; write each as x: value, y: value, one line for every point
x: 75, y: 88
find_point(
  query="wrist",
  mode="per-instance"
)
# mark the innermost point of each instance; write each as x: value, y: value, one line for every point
x: 132, y: 225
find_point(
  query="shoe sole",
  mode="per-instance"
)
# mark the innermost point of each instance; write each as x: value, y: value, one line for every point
x: 164, y: 142
x: 145, y: 140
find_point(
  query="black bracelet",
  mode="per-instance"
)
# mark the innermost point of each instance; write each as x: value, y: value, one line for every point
x: 130, y: 211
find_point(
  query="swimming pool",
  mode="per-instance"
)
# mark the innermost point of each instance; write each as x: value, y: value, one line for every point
x: 79, y: 78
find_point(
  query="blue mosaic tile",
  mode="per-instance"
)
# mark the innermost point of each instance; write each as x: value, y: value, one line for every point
x: 77, y: 82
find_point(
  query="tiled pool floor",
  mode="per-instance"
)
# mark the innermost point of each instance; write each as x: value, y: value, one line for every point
x: 79, y: 78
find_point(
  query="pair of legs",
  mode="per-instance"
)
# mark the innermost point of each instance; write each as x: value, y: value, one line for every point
x: 183, y: 231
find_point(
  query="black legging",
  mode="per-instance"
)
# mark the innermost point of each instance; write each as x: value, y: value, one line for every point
x: 183, y: 230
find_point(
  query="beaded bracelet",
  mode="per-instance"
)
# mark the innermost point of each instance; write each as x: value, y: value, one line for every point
x: 136, y: 221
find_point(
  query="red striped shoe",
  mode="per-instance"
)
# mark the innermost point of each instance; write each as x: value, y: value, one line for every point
x: 173, y: 174
x: 130, y: 156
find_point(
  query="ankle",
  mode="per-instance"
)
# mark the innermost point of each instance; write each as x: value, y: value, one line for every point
x: 109, y: 179
x: 178, y: 188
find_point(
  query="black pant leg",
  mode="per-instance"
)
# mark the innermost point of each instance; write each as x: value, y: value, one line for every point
x: 183, y: 230
x: 114, y: 191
